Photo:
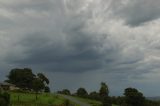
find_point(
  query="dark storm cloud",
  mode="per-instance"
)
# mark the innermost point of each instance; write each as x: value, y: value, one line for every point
x: 64, y: 46
x: 58, y: 41
x: 78, y: 53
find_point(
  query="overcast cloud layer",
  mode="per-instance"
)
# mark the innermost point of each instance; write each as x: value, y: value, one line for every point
x: 79, y: 43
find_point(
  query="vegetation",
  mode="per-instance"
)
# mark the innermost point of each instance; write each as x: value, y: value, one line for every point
x: 37, y: 85
x: 64, y: 91
x: 47, y: 89
x: 31, y: 84
x: 28, y: 99
x: 81, y: 92
x: 133, y: 97
x: 94, y: 95
x: 4, y: 99
x: 104, y: 92
x: 26, y: 80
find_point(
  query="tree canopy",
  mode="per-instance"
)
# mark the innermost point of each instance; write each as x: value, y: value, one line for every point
x: 43, y: 78
x: 133, y: 97
x: 104, y: 91
x: 82, y: 92
x: 22, y: 78
x: 26, y: 80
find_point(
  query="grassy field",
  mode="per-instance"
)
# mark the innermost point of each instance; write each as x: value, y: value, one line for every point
x: 29, y: 99
x: 44, y: 99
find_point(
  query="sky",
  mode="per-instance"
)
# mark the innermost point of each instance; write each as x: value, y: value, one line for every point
x: 80, y: 43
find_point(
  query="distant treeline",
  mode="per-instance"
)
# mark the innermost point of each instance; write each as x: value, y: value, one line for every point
x: 26, y: 80
x: 132, y: 97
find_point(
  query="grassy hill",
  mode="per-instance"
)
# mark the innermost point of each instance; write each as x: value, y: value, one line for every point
x: 29, y: 99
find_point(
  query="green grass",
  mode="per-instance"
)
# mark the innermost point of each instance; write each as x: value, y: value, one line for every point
x: 29, y: 99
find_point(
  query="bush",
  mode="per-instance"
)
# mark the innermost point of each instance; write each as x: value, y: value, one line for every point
x: 133, y: 97
x: 106, y: 101
x: 65, y: 92
x: 94, y: 95
x: 67, y: 102
x: 4, y: 99
x: 81, y: 92
x: 3, y: 102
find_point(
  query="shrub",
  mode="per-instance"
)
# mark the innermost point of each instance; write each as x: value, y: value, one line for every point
x: 106, y: 101
x: 3, y: 102
x: 67, y: 102
x: 133, y: 97
x: 4, y: 99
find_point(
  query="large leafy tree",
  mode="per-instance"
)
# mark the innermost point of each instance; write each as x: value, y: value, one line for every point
x: 25, y: 79
x: 22, y: 78
x: 133, y: 97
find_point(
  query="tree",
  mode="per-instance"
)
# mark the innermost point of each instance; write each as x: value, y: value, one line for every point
x: 46, y: 89
x: 22, y: 78
x: 133, y: 97
x: 25, y: 79
x: 82, y: 92
x: 43, y: 78
x: 37, y: 85
x: 104, y: 91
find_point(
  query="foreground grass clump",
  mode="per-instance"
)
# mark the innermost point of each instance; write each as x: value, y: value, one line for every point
x: 29, y: 99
